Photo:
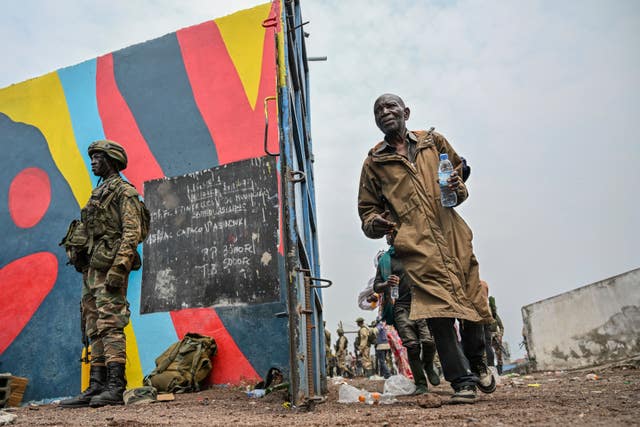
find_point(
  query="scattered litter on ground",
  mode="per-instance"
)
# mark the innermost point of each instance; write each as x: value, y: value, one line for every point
x: 7, y: 418
x: 256, y: 392
x: 399, y: 385
x: 350, y: 394
x: 166, y: 397
x: 556, y: 402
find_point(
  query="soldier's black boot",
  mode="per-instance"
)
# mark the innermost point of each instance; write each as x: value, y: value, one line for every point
x: 112, y: 394
x: 97, y: 380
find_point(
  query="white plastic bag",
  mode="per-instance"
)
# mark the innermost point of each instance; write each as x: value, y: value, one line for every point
x: 399, y: 385
x: 349, y: 394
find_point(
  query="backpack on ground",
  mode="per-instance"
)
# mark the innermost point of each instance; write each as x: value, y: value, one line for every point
x: 184, y: 366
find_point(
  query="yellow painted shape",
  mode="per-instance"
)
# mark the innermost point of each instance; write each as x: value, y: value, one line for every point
x: 85, y: 369
x: 133, y: 367
x: 41, y: 102
x: 243, y: 36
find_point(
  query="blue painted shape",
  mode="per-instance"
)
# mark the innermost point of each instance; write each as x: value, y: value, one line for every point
x: 79, y: 85
x: 154, y: 332
x: 154, y: 83
x: 245, y: 323
x: 47, y: 351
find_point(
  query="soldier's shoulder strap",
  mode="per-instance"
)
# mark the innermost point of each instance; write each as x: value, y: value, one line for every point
x: 119, y: 188
x: 126, y: 189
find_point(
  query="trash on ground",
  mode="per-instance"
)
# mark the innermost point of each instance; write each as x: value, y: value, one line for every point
x: 256, y: 392
x: 592, y: 377
x: 338, y: 380
x: 399, y: 385
x: 165, y: 397
x: 350, y: 394
x: 7, y: 418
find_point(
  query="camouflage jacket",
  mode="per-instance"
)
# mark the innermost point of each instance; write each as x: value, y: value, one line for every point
x: 114, y: 214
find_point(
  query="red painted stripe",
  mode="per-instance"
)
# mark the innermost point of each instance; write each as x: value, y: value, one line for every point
x: 236, y: 129
x: 24, y: 284
x: 119, y: 125
x: 230, y: 366
x: 29, y: 197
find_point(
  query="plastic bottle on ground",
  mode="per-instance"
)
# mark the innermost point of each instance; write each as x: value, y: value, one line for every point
x: 448, y: 197
x: 258, y: 392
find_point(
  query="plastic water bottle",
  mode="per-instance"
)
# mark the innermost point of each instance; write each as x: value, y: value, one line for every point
x: 258, y: 392
x: 448, y: 198
x: 395, y: 292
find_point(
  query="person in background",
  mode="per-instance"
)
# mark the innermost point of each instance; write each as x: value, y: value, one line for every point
x: 342, y: 350
x: 487, y: 332
x: 415, y: 334
x: 327, y: 350
x: 383, y: 349
x: 497, y: 332
x: 363, y: 347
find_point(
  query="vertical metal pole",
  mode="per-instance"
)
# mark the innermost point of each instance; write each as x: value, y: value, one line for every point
x: 309, y: 331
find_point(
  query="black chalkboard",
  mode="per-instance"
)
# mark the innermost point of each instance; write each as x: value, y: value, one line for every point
x: 213, y: 238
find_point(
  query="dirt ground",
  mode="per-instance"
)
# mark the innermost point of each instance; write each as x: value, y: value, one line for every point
x: 549, y: 398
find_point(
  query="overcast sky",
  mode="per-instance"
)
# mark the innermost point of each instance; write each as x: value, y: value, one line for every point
x: 542, y: 98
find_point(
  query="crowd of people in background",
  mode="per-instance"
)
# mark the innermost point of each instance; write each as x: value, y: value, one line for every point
x: 383, y: 353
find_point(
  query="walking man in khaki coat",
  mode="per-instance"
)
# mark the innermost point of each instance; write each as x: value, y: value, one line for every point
x: 399, y: 193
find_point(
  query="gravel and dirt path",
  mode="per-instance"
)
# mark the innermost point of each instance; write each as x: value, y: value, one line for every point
x: 550, y: 398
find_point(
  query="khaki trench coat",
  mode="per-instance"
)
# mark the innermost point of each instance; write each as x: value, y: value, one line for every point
x: 433, y: 242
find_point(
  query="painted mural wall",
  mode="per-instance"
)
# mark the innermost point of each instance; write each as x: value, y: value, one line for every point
x: 591, y: 325
x: 186, y: 101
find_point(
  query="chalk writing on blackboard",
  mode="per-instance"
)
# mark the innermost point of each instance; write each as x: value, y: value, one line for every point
x: 213, y: 238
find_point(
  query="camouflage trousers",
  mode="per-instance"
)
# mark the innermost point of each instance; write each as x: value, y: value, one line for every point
x: 105, y: 315
x: 341, y: 363
x: 365, y: 357
x: 496, y: 343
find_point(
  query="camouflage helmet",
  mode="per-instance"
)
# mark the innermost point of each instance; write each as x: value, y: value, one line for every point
x: 359, y: 320
x: 340, y: 331
x: 113, y: 150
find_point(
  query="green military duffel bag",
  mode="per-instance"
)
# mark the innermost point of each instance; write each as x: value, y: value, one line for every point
x: 184, y: 366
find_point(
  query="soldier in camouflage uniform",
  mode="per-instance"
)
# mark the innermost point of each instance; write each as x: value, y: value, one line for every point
x: 497, y: 331
x: 363, y: 347
x: 113, y: 222
x: 341, y: 352
x: 327, y: 350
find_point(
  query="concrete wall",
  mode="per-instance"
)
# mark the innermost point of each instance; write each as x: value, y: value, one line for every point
x: 591, y: 325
